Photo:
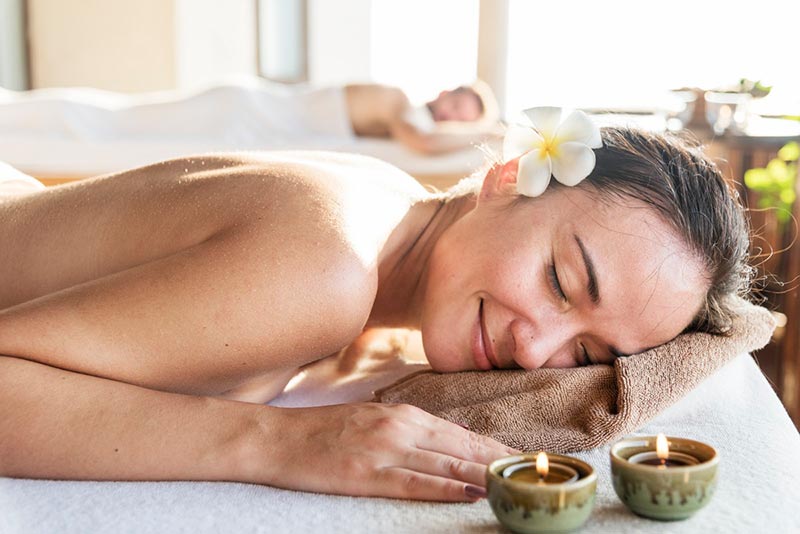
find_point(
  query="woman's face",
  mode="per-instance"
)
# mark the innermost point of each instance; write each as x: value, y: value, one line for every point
x: 559, y: 281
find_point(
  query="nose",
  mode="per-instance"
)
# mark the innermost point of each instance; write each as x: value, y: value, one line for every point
x: 548, y: 346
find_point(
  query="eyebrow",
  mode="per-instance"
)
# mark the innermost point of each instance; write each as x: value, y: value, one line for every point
x: 591, y: 287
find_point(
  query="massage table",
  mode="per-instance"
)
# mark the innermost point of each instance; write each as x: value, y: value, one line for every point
x: 735, y: 410
x: 55, y: 161
x: 63, y: 134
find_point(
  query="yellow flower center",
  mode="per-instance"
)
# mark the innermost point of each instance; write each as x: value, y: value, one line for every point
x: 548, y: 148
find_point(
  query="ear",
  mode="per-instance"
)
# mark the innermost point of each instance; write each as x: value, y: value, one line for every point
x: 501, y: 180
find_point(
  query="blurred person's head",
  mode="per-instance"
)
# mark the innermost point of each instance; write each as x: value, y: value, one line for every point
x: 466, y: 103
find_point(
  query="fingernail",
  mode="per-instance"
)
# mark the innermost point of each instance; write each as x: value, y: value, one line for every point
x: 474, y: 492
x: 465, y: 426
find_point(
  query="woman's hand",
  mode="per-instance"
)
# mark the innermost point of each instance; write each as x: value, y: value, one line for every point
x: 372, y: 449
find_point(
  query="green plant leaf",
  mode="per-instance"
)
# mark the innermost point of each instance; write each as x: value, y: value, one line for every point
x: 757, y: 179
x: 790, y: 151
x: 777, y: 170
x: 785, y: 182
x: 788, y: 196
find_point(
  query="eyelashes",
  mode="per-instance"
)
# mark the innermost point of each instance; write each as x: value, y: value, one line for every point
x: 586, y: 359
x: 555, y: 285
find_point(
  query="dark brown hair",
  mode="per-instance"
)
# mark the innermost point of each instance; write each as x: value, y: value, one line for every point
x: 689, y: 192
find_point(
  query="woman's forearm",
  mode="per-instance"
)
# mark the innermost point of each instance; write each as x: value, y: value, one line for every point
x: 65, y: 425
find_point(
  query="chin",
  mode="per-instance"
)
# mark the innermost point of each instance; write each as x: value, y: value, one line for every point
x: 441, y: 358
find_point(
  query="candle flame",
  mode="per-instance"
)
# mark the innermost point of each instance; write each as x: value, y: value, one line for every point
x: 662, y: 447
x: 542, y: 464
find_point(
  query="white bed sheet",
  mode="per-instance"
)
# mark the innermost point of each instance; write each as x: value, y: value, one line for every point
x: 735, y: 410
x: 45, y: 157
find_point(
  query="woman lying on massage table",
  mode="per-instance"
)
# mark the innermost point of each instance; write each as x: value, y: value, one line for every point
x: 139, y: 309
x: 257, y: 114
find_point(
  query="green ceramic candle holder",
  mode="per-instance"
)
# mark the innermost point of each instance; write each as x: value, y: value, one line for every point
x: 527, y: 507
x: 665, y: 492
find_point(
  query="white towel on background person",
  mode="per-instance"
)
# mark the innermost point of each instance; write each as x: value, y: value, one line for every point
x: 14, y: 182
x: 421, y: 118
x: 251, y: 113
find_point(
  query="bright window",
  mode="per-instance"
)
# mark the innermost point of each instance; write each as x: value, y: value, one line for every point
x: 282, y: 40
x: 13, y: 64
x: 424, y: 46
x: 628, y: 53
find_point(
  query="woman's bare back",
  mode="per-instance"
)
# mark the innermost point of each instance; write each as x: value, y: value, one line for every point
x: 205, y: 275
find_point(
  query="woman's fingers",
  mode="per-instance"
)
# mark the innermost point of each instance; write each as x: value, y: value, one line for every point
x: 448, y: 438
x: 444, y: 465
x: 380, y: 450
x: 408, y: 484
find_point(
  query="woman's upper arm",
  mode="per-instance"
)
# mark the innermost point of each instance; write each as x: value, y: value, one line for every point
x: 266, y: 295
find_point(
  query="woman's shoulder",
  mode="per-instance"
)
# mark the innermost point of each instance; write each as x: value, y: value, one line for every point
x: 304, y: 172
x: 352, y: 184
x: 346, y: 208
x: 337, y: 203
x: 333, y: 215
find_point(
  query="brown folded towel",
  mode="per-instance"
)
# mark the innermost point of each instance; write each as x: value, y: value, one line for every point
x: 566, y: 410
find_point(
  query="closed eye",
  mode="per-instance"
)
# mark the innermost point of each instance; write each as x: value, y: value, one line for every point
x: 555, y: 284
x: 586, y: 359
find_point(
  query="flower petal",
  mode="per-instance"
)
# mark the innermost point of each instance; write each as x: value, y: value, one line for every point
x: 545, y: 119
x: 533, y: 174
x: 579, y: 127
x: 574, y: 162
x: 519, y: 140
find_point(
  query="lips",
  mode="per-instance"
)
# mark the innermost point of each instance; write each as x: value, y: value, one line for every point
x: 481, y: 360
x: 481, y: 348
x: 487, y: 344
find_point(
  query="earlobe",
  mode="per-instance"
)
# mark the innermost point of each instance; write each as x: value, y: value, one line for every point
x: 500, y: 180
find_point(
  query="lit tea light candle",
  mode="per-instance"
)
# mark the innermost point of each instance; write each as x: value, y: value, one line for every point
x: 662, y: 457
x: 664, y: 478
x: 532, y: 494
x: 541, y: 472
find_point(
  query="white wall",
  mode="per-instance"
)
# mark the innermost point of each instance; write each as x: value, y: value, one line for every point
x: 493, y: 48
x: 424, y: 46
x: 141, y: 45
x: 338, y: 41
x: 110, y: 44
x: 214, y: 39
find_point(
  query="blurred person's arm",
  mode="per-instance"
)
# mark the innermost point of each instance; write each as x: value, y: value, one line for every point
x: 445, y: 137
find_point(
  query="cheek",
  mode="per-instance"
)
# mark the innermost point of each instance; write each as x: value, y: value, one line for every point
x: 445, y: 290
x: 502, y: 261
x: 513, y: 265
x: 443, y: 322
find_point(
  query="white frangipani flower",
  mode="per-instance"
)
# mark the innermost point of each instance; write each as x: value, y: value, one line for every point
x: 551, y: 146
